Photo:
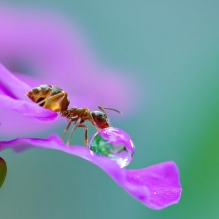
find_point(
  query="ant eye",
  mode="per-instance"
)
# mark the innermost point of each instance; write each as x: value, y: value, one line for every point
x: 102, y: 116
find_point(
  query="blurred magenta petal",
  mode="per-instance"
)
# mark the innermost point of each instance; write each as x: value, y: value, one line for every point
x: 156, y: 186
x: 15, y: 106
x: 56, y: 53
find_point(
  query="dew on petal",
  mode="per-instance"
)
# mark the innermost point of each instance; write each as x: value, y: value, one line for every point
x: 113, y: 143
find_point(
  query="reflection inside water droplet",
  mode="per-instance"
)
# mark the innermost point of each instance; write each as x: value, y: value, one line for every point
x: 113, y: 143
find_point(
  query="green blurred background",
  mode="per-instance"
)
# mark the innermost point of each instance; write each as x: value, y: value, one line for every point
x: 172, y: 47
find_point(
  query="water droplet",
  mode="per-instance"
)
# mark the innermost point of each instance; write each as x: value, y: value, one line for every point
x: 113, y: 143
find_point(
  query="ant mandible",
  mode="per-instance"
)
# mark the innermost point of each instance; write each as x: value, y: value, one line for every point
x: 54, y: 98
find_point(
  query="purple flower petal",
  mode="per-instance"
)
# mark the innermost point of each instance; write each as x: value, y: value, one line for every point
x: 162, y: 182
x: 156, y: 186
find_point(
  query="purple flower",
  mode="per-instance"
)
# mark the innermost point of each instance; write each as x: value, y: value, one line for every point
x: 58, y: 56
x: 156, y: 186
x: 56, y: 53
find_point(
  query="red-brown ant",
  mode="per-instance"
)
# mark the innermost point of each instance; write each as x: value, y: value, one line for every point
x: 53, y: 98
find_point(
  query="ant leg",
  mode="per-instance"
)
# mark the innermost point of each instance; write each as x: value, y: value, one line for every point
x: 86, y: 133
x: 66, y: 129
x: 73, y: 130
x: 89, y: 117
x: 91, y: 120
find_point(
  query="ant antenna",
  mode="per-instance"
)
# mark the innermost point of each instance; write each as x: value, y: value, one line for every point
x: 102, y: 108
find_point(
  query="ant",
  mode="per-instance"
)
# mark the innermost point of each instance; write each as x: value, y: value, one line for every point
x: 54, y: 98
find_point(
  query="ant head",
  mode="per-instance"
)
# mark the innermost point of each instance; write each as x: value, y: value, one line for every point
x: 100, y: 119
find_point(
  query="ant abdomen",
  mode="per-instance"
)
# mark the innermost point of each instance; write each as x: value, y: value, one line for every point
x: 50, y: 97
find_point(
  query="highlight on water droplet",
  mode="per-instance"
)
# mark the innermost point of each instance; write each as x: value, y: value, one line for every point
x: 113, y: 143
x: 3, y: 171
